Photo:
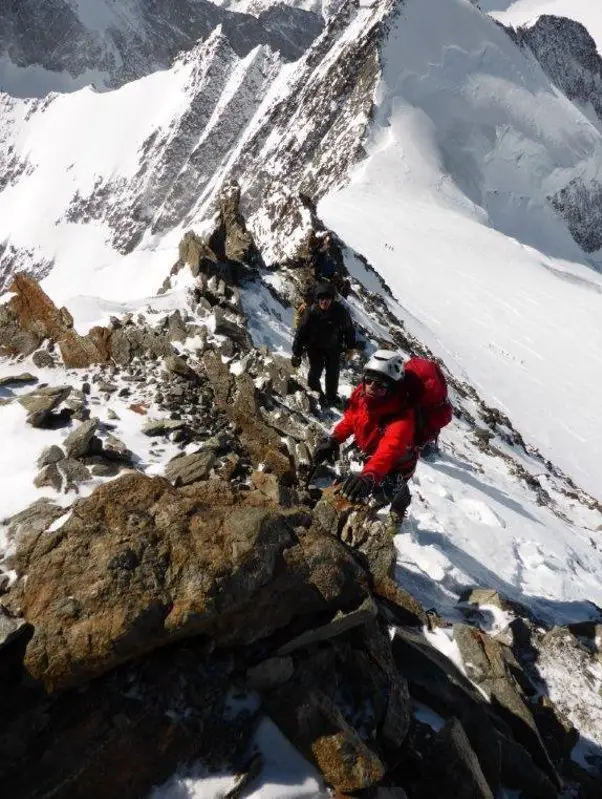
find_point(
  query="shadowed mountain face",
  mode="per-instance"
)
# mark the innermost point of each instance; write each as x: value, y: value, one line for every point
x: 568, y: 54
x: 119, y: 43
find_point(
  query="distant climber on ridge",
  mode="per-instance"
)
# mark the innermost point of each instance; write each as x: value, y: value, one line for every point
x: 396, y: 409
x: 325, y: 264
x: 325, y: 330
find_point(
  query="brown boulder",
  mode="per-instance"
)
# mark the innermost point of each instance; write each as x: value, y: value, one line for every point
x: 140, y: 564
x: 35, y: 314
x: 35, y: 310
x: 31, y: 316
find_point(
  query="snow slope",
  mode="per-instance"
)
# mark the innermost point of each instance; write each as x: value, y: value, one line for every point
x: 468, y: 138
x: 518, y: 313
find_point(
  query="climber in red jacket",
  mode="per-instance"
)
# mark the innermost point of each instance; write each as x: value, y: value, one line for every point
x: 397, y: 410
x: 383, y: 425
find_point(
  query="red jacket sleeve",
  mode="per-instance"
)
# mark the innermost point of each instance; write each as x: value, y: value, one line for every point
x: 345, y: 427
x: 396, y: 444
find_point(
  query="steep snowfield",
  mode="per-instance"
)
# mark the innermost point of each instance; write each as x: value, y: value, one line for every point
x: 449, y: 206
x: 525, y: 12
x: 462, y: 140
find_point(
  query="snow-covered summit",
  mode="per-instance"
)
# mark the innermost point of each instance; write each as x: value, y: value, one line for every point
x: 526, y: 12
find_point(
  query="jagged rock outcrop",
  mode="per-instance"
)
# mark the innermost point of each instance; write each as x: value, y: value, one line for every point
x: 568, y: 53
x: 580, y: 205
x: 56, y: 37
x: 30, y: 317
x: 239, y: 399
x: 139, y: 565
x: 231, y: 241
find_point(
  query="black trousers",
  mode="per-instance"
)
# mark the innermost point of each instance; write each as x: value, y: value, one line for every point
x: 324, y: 360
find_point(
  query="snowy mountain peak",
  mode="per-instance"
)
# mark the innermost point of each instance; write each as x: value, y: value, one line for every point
x: 63, y: 45
x: 175, y: 219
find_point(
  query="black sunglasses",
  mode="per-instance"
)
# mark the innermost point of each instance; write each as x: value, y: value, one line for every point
x: 374, y: 381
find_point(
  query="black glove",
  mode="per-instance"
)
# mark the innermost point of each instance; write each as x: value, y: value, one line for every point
x: 358, y: 487
x: 326, y: 449
x: 296, y: 361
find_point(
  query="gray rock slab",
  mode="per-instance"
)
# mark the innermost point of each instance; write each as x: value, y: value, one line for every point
x: 42, y: 401
x: 74, y: 472
x: 115, y: 449
x: 490, y: 665
x: 159, y: 427
x: 78, y: 442
x: 454, y: 768
x: 178, y: 366
x: 34, y: 519
x: 49, y: 476
x: 190, y: 468
x: 21, y: 379
x: 340, y: 624
x: 52, y: 454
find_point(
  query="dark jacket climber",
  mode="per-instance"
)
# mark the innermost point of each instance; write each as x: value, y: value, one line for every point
x: 324, y: 331
x: 328, y: 266
x: 383, y: 426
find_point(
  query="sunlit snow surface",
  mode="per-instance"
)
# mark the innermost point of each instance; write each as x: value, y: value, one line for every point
x: 522, y: 324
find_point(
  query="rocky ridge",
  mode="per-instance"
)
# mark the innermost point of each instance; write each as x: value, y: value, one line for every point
x: 329, y: 96
x: 143, y: 39
x: 283, y: 134
x: 569, y: 55
x: 149, y: 599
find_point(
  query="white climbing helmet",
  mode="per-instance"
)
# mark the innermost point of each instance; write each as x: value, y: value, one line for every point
x: 387, y: 364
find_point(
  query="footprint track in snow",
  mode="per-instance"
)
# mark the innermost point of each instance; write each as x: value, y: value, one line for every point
x: 533, y: 556
x: 480, y: 512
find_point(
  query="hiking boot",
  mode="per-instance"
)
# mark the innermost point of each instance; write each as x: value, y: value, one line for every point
x: 334, y: 402
x: 430, y: 450
x: 393, y: 523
